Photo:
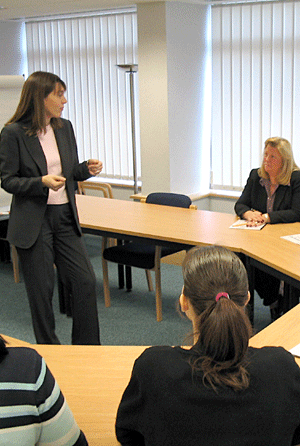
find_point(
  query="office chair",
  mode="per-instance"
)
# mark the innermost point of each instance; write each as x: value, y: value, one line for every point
x: 106, y: 188
x: 64, y: 289
x: 107, y: 191
x: 145, y: 255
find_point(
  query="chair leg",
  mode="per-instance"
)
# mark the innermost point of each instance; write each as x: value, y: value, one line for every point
x: 15, y: 262
x: 105, y: 275
x: 121, y: 276
x: 158, y: 284
x: 128, y: 278
x: 149, y: 279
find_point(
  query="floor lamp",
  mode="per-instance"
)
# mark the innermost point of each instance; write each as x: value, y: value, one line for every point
x: 131, y: 69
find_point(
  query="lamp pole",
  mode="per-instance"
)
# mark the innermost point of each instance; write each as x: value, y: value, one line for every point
x: 131, y: 69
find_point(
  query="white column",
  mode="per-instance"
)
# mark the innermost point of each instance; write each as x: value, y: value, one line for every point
x: 174, y: 103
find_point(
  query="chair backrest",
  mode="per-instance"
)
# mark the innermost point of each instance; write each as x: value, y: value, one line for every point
x: 103, y: 187
x: 169, y: 199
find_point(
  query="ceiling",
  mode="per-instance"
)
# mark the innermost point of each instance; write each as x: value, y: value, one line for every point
x: 20, y: 9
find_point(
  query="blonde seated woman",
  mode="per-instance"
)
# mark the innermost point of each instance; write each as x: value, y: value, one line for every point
x: 271, y: 196
x: 221, y: 391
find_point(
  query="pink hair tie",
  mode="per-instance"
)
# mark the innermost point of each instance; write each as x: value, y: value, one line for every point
x: 219, y: 295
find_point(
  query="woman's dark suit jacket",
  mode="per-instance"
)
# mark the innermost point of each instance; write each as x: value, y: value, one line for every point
x: 22, y: 165
x: 286, y: 207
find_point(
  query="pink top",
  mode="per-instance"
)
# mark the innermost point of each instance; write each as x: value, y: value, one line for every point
x: 50, y: 149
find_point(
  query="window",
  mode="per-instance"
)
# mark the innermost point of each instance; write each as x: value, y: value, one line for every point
x: 84, y: 51
x: 255, y: 73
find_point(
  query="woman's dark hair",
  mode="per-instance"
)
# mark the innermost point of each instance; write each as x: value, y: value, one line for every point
x: 31, y: 108
x: 223, y: 328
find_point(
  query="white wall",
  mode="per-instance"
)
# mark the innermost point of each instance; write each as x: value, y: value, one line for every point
x: 12, y: 48
x: 13, y: 62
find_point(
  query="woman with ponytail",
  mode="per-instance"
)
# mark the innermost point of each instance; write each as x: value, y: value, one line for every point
x: 221, y: 391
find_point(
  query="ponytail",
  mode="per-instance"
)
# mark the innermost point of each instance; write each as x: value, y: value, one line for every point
x: 216, y: 284
x: 224, y: 333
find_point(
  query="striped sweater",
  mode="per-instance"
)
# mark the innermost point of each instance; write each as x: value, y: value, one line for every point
x: 33, y: 410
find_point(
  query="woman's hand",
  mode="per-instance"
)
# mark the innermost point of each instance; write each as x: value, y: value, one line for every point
x: 53, y: 182
x: 255, y: 218
x: 94, y: 166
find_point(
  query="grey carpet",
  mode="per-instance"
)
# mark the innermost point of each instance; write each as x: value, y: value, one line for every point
x: 131, y: 319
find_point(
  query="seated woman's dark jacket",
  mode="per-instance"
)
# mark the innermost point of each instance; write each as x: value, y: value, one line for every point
x: 286, y: 207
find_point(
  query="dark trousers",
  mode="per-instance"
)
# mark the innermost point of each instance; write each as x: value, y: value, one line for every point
x: 59, y: 243
x: 267, y: 287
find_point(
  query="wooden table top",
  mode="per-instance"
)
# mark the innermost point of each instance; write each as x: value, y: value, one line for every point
x: 93, y: 378
x: 192, y: 227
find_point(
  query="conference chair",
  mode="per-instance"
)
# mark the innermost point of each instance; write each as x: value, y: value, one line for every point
x: 107, y: 191
x: 106, y: 188
x: 64, y: 289
x: 145, y: 255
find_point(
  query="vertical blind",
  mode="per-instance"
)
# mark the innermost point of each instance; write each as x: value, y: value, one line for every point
x: 255, y: 86
x: 84, y: 51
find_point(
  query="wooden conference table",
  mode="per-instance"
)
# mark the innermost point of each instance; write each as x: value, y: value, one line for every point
x: 264, y: 249
x: 93, y: 378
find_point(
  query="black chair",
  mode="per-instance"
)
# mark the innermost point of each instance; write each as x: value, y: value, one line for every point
x: 64, y: 287
x: 145, y: 255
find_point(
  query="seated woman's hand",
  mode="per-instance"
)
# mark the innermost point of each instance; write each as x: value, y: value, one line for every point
x: 253, y: 218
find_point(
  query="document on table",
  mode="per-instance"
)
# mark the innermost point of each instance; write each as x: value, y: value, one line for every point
x: 242, y: 224
x: 4, y: 210
x: 292, y: 238
x: 296, y: 351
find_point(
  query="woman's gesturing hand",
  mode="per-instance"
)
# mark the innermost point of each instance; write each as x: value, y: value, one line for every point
x: 54, y: 182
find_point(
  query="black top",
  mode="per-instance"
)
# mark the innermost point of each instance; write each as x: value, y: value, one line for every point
x: 165, y: 404
x: 286, y: 207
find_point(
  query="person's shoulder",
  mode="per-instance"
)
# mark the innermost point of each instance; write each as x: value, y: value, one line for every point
x: 295, y: 175
x: 27, y: 353
x: 254, y: 173
x: 14, y: 127
x: 157, y: 354
x: 66, y: 123
x: 162, y: 363
x: 253, y: 176
x: 66, y: 127
x: 273, y: 357
x: 23, y: 364
x: 161, y: 357
x: 156, y: 351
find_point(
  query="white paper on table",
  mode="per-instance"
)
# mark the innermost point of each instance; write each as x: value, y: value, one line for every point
x: 292, y: 238
x: 242, y: 224
x: 296, y: 351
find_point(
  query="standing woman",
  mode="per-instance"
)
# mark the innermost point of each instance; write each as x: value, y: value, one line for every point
x: 220, y: 391
x: 271, y: 195
x: 39, y: 166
